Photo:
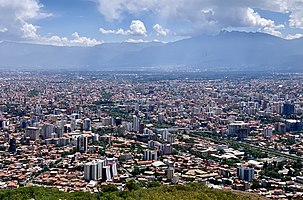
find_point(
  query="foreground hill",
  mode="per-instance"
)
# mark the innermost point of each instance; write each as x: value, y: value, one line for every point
x: 227, y: 50
x: 190, y: 192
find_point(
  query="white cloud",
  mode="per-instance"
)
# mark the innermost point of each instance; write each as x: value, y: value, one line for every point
x: 76, y: 40
x: 30, y: 33
x: 268, y: 26
x: 3, y: 30
x: 160, y: 30
x: 83, y: 41
x: 295, y: 8
x: 295, y: 36
x: 130, y: 40
x: 104, y: 31
x: 207, y: 16
x: 15, y: 16
x: 136, y: 27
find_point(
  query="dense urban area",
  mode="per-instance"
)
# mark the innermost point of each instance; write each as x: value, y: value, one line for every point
x: 86, y: 131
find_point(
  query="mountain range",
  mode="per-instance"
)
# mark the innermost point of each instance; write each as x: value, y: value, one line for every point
x: 225, y: 51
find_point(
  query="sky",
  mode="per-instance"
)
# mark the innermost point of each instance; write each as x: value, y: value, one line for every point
x: 93, y: 22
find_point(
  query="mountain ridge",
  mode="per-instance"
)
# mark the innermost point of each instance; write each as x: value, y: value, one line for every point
x: 227, y: 50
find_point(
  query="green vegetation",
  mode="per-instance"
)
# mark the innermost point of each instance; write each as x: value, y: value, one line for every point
x: 190, y: 192
x: 271, y: 169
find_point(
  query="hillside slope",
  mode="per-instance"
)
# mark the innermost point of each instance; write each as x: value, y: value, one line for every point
x: 188, y: 192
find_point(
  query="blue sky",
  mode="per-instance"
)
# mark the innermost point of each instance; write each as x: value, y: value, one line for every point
x: 92, y: 22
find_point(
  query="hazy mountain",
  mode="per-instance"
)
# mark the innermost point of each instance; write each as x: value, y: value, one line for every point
x: 227, y: 50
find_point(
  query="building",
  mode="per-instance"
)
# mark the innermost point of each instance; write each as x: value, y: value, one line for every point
x: 12, y: 145
x: 149, y: 155
x: 93, y: 170
x: 267, y: 132
x: 293, y: 125
x: 245, y: 173
x: 106, y: 174
x: 239, y: 128
x: 82, y: 143
x: 107, y: 121
x: 33, y: 133
x: 170, y: 173
x: 136, y: 123
x: 288, y: 109
x: 171, y: 138
x: 165, y: 134
x: 87, y: 124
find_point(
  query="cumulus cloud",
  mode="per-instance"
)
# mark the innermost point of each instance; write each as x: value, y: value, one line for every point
x: 296, y: 15
x: 136, y: 27
x: 3, y: 30
x: 15, y: 16
x: 160, y: 30
x: 30, y: 33
x: 269, y: 26
x: 208, y: 16
x: 295, y: 36
x: 130, y: 40
x: 76, y: 40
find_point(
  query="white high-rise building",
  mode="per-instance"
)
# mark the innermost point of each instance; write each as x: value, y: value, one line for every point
x: 267, y: 132
x: 165, y: 134
x: 106, y: 173
x: 150, y: 155
x: 87, y: 124
x: 87, y: 171
x: 101, y: 169
x: 94, y: 171
x: 136, y: 123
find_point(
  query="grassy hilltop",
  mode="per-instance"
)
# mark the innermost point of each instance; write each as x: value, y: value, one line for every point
x: 190, y: 192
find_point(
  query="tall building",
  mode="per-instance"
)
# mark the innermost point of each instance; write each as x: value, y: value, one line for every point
x: 93, y: 170
x: 136, y: 123
x: 149, y: 155
x: 106, y: 174
x: 170, y: 173
x: 239, y: 128
x: 87, y: 124
x: 82, y: 143
x: 165, y: 149
x: 33, y: 133
x: 171, y: 138
x: 267, y: 132
x: 107, y: 121
x: 12, y: 145
x: 288, y: 109
x: 245, y: 173
x: 112, y: 163
x: 141, y: 128
x: 165, y: 135
x: 87, y: 173
x: 118, y: 121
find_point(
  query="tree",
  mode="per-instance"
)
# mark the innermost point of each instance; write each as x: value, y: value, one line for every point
x: 131, y: 185
x: 153, y: 184
x: 109, y: 188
